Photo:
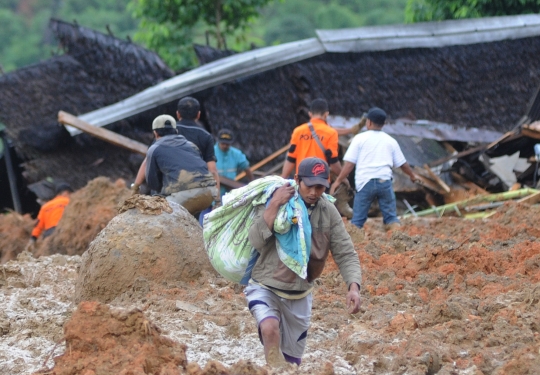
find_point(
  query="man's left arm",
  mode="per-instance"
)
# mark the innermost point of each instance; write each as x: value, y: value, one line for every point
x: 347, y: 260
x: 243, y: 165
x: 335, y: 168
x: 154, y: 177
x: 406, y: 168
x: 249, y: 174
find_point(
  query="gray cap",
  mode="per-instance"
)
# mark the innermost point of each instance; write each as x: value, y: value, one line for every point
x: 314, y: 171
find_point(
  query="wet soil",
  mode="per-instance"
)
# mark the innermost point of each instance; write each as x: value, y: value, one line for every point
x: 440, y: 296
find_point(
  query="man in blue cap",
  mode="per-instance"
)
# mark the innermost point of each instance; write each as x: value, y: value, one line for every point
x: 230, y: 160
x: 374, y: 153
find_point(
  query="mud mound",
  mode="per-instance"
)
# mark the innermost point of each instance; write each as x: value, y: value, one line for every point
x: 88, y: 212
x: 105, y: 341
x: 136, y: 252
x: 15, y: 233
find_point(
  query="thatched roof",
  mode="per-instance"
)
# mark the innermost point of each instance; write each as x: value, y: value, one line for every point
x: 486, y: 85
x: 96, y: 70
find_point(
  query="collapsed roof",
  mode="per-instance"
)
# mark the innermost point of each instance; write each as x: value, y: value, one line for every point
x: 94, y: 71
x: 470, y: 73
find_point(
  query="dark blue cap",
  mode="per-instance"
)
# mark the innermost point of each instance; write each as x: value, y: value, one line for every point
x: 377, y: 116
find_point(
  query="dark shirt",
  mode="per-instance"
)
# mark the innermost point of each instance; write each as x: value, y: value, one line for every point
x: 174, y: 164
x: 200, y: 137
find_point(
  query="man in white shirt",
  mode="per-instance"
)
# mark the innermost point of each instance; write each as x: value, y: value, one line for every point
x: 374, y: 153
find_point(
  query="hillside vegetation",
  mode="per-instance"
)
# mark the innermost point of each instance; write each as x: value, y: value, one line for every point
x: 24, y: 36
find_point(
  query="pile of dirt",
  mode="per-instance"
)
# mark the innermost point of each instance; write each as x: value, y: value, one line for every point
x: 88, y: 212
x: 105, y: 341
x: 138, y: 250
x: 15, y: 233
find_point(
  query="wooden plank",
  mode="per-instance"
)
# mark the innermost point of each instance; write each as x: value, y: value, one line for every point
x: 502, y: 138
x: 457, y: 156
x: 426, y: 182
x: 513, y: 134
x: 102, y: 133
x: 437, y: 179
x: 531, y: 199
x: 266, y: 160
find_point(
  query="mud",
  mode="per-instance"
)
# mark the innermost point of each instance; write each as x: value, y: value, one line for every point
x: 105, y: 341
x: 441, y: 296
x: 88, y: 212
x: 137, y: 251
x: 14, y: 235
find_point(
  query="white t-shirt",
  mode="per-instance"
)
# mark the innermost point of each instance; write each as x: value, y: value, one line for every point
x: 375, y: 153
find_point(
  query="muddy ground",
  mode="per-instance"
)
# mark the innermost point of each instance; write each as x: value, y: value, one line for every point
x: 441, y: 296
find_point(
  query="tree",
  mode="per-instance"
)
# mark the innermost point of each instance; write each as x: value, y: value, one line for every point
x: 435, y: 10
x: 168, y: 25
x: 24, y: 36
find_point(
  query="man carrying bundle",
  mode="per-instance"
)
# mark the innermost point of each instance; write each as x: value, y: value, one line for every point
x: 278, y: 298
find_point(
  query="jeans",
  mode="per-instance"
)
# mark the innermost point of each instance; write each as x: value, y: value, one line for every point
x: 384, y: 192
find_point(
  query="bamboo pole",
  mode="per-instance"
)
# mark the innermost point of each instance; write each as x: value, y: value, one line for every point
x: 478, y: 199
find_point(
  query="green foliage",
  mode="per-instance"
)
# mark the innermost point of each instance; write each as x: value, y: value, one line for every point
x: 24, y: 36
x: 168, y: 26
x: 435, y: 10
x: 298, y: 19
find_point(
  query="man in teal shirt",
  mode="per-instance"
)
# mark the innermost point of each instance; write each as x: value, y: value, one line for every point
x: 230, y: 160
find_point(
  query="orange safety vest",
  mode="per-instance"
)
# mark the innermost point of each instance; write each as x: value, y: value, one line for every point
x: 50, y: 214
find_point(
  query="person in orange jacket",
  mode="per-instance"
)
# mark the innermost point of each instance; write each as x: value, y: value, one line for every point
x: 50, y: 213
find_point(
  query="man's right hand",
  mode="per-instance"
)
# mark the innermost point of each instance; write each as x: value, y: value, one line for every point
x: 283, y: 194
x: 334, y: 187
x: 30, y: 245
x: 134, y: 188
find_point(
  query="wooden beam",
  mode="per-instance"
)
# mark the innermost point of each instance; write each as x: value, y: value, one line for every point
x: 425, y: 181
x: 511, y: 135
x: 531, y: 199
x: 102, y: 133
x: 458, y: 155
x: 437, y: 179
x: 502, y: 138
x: 264, y: 161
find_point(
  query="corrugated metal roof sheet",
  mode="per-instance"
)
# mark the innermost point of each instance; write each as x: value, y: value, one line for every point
x: 203, y: 77
x: 429, y: 34
x: 425, y: 129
